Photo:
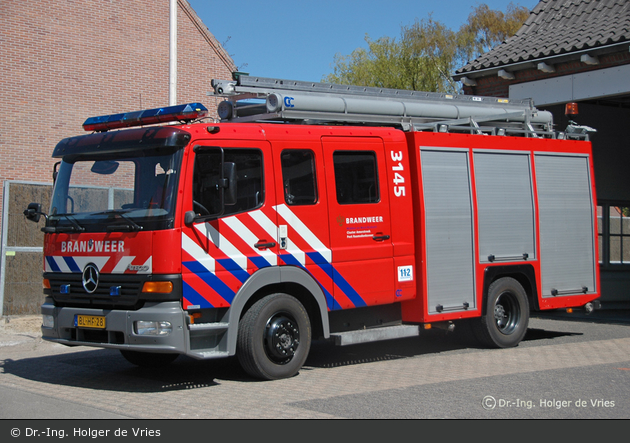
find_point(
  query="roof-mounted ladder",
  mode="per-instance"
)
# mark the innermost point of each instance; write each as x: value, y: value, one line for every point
x: 255, y: 99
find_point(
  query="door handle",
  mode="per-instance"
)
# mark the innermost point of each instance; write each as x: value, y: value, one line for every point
x: 265, y: 245
x: 380, y: 237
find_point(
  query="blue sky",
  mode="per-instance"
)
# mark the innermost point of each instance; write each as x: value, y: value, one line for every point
x: 298, y: 40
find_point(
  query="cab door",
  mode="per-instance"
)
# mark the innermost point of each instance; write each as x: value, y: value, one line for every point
x: 302, y: 210
x: 359, y: 220
x: 229, y: 238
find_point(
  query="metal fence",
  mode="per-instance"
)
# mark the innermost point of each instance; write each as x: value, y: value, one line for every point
x: 22, y: 249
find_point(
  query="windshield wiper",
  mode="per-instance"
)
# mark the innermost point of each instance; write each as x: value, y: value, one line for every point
x: 76, y: 227
x: 130, y: 226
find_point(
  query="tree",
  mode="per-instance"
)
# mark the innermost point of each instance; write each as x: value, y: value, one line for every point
x: 427, y: 52
x: 487, y: 28
x: 420, y: 60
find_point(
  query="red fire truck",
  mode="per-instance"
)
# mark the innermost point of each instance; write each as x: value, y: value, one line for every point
x: 314, y: 211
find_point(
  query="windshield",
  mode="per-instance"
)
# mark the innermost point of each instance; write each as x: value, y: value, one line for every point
x: 116, y: 193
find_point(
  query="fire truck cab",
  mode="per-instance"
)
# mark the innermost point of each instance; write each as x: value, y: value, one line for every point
x: 310, y: 211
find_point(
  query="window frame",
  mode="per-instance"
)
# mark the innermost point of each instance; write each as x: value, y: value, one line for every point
x: 223, y: 211
x: 605, y: 235
x: 373, y: 154
x: 284, y: 168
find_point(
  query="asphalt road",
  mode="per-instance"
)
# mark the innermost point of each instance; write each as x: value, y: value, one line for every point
x: 562, y: 370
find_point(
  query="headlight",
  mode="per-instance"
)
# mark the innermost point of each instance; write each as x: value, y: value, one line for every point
x: 48, y: 321
x: 144, y: 327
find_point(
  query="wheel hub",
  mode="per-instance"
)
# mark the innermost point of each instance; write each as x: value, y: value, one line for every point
x: 506, y: 312
x: 282, y: 338
x: 499, y: 315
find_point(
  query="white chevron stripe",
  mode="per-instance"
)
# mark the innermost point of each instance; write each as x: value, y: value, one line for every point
x: 241, y: 229
x: 266, y: 223
x: 121, y: 266
x: 99, y: 261
x: 223, y: 244
x: 149, y: 266
x: 303, y: 231
x: 61, y: 264
x: 197, y: 252
x: 248, y: 236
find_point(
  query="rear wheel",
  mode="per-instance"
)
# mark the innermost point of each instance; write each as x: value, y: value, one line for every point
x: 506, y: 317
x: 274, y: 337
x: 148, y: 359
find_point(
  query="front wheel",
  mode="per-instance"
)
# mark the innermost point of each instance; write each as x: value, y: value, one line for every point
x: 506, y: 316
x: 274, y: 337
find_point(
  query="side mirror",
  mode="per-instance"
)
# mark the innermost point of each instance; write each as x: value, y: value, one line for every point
x: 104, y: 167
x: 33, y: 212
x: 229, y: 174
x: 189, y: 217
x: 56, y: 171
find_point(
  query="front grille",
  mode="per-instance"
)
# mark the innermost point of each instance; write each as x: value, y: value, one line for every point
x: 94, y: 336
x: 77, y: 296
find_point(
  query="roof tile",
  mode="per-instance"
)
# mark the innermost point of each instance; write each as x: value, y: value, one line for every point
x: 557, y: 27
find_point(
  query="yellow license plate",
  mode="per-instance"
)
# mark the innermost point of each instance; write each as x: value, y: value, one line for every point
x: 90, y: 321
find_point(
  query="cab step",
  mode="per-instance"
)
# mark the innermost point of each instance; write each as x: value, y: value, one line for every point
x: 208, y: 326
x: 374, y: 334
x: 203, y: 354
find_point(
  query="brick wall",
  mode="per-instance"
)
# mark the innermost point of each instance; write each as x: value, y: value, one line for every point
x: 494, y: 86
x: 65, y: 60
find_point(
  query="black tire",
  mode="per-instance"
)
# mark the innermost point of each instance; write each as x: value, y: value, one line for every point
x: 148, y: 359
x: 506, y: 315
x: 274, y: 337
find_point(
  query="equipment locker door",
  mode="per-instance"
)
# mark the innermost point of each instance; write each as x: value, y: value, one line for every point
x: 448, y: 218
x: 359, y: 220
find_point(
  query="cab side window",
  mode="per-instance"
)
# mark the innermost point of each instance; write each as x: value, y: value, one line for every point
x: 249, y: 179
x: 206, y: 178
x: 298, y: 177
x: 356, y: 179
x: 208, y: 174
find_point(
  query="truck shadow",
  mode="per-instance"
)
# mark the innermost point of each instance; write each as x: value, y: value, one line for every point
x: 326, y: 355
x: 106, y: 369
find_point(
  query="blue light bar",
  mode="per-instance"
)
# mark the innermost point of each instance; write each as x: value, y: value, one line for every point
x: 181, y: 113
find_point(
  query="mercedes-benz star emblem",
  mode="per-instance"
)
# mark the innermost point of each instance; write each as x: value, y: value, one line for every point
x: 90, y: 278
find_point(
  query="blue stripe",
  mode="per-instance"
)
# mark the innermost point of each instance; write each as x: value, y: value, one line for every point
x: 194, y: 297
x: 72, y: 264
x: 259, y: 262
x: 52, y: 263
x: 317, y: 257
x: 211, y: 280
x: 291, y: 260
x: 347, y: 289
x: 338, y: 279
x: 330, y: 300
x: 234, y: 269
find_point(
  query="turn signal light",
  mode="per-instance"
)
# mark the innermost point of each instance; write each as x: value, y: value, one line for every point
x: 162, y: 287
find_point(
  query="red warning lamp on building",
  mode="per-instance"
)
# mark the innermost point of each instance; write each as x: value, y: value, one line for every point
x: 571, y: 109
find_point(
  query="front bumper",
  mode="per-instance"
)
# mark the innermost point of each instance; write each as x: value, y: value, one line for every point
x: 119, y: 332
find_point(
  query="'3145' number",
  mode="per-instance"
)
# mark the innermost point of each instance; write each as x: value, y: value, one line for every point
x: 399, y: 179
